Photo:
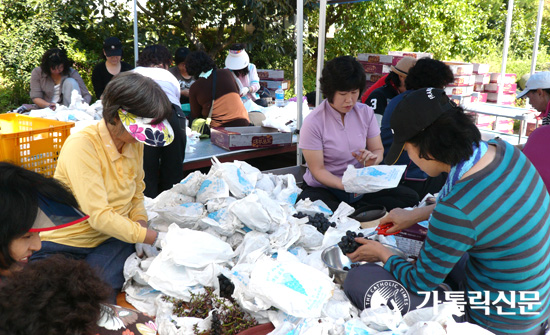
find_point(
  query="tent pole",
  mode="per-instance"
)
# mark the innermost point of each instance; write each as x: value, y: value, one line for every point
x: 135, y: 34
x: 505, y: 49
x: 537, y: 36
x: 320, y: 48
x: 299, y: 71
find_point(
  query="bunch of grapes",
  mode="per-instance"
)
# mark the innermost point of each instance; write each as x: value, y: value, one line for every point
x: 318, y: 221
x: 216, y: 325
x: 226, y: 286
x: 352, y: 266
x: 348, y: 243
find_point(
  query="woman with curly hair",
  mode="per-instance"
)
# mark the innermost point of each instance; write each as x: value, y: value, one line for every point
x: 102, y: 165
x: 62, y: 296
x: 342, y: 132
x: 54, y: 80
x: 225, y: 106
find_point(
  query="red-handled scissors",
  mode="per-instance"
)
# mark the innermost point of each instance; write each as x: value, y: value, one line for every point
x: 383, y: 230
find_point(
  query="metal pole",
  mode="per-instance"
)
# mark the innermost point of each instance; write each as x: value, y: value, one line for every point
x: 537, y: 36
x: 299, y: 71
x: 505, y: 49
x: 136, y: 51
x: 320, y: 48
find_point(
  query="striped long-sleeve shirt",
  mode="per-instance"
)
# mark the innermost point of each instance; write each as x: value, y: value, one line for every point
x: 500, y: 216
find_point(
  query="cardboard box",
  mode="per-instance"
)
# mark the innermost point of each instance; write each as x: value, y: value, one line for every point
x: 505, y: 98
x: 236, y: 138
x: 461, y: 69
x: 481, y: 68
x: 468, y: 80
x: 274, y: 84
x: 410, y: 240
x: 478, y: 87
x: 504, y: 125
x: 485, y: 121
x: 461, y: 99
x: 494, y: 87
x: 479, y: 97
x: 374, y: 77
x: 413, y: 54
x: 271, y: 74
x: 375, y: 58
x: 482, y: 79
x: 459, y: 90
x: 509, y: 78
x: 375, y: 67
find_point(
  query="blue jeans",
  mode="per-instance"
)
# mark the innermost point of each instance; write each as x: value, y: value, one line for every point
x: 107, y: 259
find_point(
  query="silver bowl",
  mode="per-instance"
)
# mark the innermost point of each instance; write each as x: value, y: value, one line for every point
x: 335, y: 260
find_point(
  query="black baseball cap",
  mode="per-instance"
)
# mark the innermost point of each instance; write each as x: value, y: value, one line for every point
x: 112, y: 47
x: 413, y: 114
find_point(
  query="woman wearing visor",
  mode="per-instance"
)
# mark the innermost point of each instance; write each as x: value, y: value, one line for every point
x: 103, y: 166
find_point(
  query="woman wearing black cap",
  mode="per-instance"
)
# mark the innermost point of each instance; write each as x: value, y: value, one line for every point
x: 105, y: 71
x: 488, y: 235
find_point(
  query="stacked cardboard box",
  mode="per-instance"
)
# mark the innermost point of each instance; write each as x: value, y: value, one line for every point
x: 377, y: 65
x: 462, y: 88
x: 508, y: 97
x: 272, y: 79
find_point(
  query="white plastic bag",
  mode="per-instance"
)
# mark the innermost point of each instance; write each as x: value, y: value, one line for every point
x: 193, y: 248
x: 382, y: 318
x: 185, y: 215
x: 191, y: 184
x: 372, y: 178
x: 312, y: 207
x: 291, y: 286
x: 236, y: 178
x: 258, y: 212
x: 357, y: 327
x: 223, y: 222
x: 211, y: 188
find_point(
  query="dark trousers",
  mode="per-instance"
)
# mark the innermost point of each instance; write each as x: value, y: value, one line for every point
x: 398, y: 197
x: 107, y: 259
x: 431, y: 185
x: 163, y: 166
x: 370, y: 285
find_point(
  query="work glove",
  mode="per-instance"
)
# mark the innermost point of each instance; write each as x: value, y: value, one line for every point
x: 147, y: 250
x: 244, y: 91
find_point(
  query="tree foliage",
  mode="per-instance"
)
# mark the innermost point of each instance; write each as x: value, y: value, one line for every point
x: 451, y: 30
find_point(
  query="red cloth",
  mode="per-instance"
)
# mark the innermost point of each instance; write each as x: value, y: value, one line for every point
x: 379, y: 83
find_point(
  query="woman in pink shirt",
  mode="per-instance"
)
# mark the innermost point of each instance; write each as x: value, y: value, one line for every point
x: 339, y: 132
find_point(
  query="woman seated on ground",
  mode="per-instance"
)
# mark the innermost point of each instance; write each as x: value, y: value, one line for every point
x: 490, y: 224
x: 53, y: 296
x: 54, y: 81
x: 105, y: 71
x: 61, y: 296
x: 103, y: 166
x: 180, y: 72
x: 340, y: 132
x: 226, y: 108
x: 238, y: 62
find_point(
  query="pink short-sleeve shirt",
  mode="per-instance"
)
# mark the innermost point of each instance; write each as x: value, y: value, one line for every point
x: 323, y: 130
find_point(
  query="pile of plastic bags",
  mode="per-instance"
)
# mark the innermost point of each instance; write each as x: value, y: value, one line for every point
x: 239, y: 222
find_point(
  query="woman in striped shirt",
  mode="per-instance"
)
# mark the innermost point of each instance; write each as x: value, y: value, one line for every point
x: 490, y: 224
